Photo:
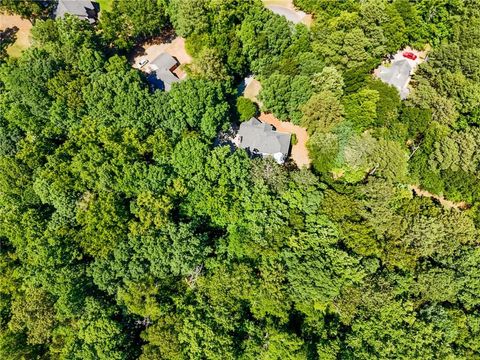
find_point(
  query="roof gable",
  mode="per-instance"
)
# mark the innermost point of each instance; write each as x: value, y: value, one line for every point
x: 78, y: 8
x: 397, y: 75
x: 165, y: 61
x: 260, y: 137
x: 163, y: 65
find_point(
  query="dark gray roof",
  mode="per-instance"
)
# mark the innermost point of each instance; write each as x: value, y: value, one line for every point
x: 167, y: 78
x: 165, y: 61
x: 397, y: 75
x: 79, y: 8
x: 163, y: 65
x: 260, y: 137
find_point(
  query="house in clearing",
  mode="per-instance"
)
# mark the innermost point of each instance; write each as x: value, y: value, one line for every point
x: 163, y: 67
x: 398, y: 75
x: 262, y: 139
x: 83, y: 9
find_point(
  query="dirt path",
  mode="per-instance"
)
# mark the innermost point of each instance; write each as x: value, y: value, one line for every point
x: 444, y: 202
x: 22, y: 36
x: 299, y: 151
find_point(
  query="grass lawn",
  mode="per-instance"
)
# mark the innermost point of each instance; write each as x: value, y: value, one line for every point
x: 15, y: 50
x: 105, y: 4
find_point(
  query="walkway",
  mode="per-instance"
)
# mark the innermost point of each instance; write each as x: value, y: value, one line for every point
x: 444, y: 202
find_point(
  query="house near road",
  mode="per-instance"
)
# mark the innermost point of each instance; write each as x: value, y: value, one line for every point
x: 83, y: 9
x: 162, y: 76
x: 399, y: 70
x: 262, y: 139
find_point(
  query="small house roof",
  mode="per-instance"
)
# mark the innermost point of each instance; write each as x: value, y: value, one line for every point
x: 165, y: 61
x: 167, y: 78
x: 397, y: 75
x: 260, y: 137
x: 78, y: 8
x: 163, y: 65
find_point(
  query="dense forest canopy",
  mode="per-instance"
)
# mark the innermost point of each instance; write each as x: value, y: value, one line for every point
x: 126, y: 234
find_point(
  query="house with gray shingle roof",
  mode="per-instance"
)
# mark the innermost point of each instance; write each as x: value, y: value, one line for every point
x: 83, y: 9
x: 397, y: 75
x: 163, y: 67
x: 262, y: 139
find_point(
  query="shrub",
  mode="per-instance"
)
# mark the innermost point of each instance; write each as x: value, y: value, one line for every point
x: 246, y: 108
x: 294, y: 139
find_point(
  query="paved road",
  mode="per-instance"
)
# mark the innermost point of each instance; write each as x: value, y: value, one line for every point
x: 291, y: 15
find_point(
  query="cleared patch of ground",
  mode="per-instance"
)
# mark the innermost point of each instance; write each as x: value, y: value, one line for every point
x: 299, y: 152
x: 22, y: 41
x: 174, y: 47
x: 252, y: 90
x: 287, y: 9
x: 421, y: 56
x: 444, y: 202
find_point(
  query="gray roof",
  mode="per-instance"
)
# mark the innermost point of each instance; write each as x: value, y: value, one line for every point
x: 397, y: 75
x: 78, y: 8
x: 165, y: 61
x: 260, y: 137
x: 168, y: 78
x: 163, y: 65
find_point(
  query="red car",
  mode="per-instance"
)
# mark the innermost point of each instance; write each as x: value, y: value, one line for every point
x: 409, y: 55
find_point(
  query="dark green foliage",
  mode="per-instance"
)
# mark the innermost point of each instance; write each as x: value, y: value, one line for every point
x: 197, y: 105
x: 125, y: 234
x: 131, y: 20
x: 29, y: 9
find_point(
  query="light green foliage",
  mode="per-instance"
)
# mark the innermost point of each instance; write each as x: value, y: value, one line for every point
x: 322, y: 113
x: 330, y: 79
x: 361, y: 109
x: 33, y: 310
x: 246, y: 108
x: 189, y: 16
x: 208, y: 65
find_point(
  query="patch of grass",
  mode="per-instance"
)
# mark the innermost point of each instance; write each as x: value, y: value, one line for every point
x: 15, y: 50
x: 284, y: 3
x: 294, y: 139
x: 105, y: 4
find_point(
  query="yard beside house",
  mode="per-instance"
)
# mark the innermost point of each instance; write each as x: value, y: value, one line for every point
x: 105, y: 4
x: 175, y: 48
x: 299, y: 152
x: 22, y: 41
